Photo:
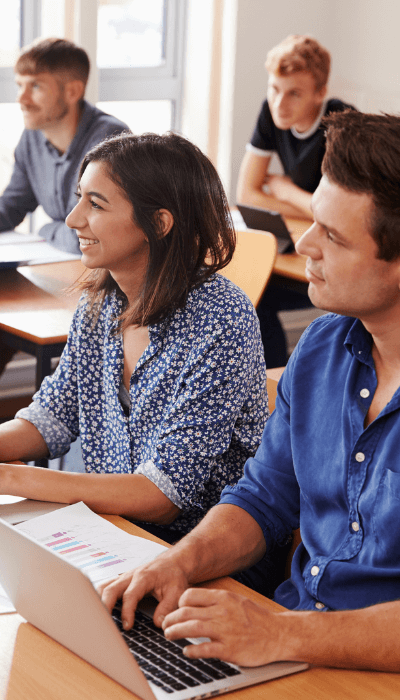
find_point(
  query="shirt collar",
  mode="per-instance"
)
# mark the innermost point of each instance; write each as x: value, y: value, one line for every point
x: 156, y: 330
x: 358, y: 343
x: 86, y: 118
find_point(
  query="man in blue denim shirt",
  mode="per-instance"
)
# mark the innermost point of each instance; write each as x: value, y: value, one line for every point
x: 329, y: 457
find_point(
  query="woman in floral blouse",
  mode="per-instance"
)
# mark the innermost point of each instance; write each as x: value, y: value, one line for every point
x: 163, y: 373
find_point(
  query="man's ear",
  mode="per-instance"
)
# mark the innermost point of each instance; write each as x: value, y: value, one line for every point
x: 164, y: 221
x: 74, y: 91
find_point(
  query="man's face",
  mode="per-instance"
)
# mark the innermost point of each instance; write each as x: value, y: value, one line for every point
x: 293, y: 100
x: 343, y: 270
x: 42, y: 100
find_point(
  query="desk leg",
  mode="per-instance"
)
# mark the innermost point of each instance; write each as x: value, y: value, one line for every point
x: 43, y: 363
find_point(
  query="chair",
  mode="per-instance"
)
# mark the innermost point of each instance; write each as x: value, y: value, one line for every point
x: 252, y: 262
x: 272, y: 384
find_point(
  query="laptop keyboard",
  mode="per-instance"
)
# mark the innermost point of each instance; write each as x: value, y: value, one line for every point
x: 163, y: 662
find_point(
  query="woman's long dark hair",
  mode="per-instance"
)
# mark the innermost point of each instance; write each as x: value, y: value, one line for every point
x: 165, y: 172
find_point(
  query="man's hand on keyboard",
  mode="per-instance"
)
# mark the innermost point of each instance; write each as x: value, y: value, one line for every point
x: 161, y: 578
x: 240, y: 631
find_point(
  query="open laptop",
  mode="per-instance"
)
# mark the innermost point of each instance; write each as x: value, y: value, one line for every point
x: 272, y: 221
x: 59, y: 599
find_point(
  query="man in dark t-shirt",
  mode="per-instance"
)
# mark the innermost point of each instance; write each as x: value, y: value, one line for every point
x: 290, y: 125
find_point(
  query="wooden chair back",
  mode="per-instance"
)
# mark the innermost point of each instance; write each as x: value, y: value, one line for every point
x: 272, y: 385
x: 252, y: 262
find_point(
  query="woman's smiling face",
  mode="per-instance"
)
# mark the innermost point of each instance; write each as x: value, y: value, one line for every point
x: 103, y: 219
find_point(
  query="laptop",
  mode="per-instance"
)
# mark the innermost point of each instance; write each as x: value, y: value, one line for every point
x: 272, y: 221
x: 58, y: 598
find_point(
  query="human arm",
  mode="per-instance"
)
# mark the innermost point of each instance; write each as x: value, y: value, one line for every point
x: 285, y: 197
x: 59, y: 235
x: 282, y: 187
x: 20, y: 440
x: 228, y: 539
x: 18, y: 197
x: 245, y: 633
x: 132, y: 495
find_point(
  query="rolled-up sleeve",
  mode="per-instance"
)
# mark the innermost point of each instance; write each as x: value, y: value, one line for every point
x: 54, y: 410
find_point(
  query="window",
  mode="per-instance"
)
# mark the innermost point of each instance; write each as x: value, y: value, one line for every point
x: 140, y: 58
x: 20, y: 23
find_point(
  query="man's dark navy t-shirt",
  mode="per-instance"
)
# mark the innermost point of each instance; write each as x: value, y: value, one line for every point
x: 301, y: 157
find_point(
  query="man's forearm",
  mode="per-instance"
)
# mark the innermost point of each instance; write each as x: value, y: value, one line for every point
x: 258, y: 198
x: 363, y: 639
x: 228, y: 539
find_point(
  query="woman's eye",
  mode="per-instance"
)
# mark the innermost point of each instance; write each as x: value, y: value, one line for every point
x: 95, y: 205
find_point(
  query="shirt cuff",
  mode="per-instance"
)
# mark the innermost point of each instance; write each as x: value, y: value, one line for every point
x: 259, y: 151
x: 55, y: 434
x: 161, y: 480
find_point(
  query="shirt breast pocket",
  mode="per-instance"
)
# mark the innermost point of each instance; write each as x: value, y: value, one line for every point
x: 386, y: 514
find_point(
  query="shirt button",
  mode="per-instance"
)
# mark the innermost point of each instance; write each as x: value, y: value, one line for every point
x: 355, y: 526
x: 360, y: 456
x: 364, y: 393
x: 319, y: 606
x: 315, y: 571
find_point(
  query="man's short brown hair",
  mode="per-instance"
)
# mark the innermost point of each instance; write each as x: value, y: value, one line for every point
x: 59, y: 56
x: 300, y: 53
x: 363, y: 156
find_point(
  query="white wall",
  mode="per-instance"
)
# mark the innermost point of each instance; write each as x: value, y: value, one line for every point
x: 362, y: 36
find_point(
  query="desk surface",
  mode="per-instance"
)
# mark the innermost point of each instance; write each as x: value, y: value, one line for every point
x: 33, y: 303
x: 40, y: 669
x: 293, y: 265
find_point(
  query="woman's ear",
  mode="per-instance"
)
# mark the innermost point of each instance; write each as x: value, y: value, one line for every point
x: 164, y: 220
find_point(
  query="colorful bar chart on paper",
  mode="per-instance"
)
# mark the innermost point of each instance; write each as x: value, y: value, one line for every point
x: 101, y: 550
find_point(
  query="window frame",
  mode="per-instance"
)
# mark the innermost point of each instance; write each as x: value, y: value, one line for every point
x: 30, y: 14
x: 163, y: 82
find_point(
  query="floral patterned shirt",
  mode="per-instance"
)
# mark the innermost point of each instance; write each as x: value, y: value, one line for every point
x: 198, y: 400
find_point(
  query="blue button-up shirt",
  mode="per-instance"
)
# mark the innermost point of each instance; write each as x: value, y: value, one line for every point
x: 42, y: 175
x: 318, y: 468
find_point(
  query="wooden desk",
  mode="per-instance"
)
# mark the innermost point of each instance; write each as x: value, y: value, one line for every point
x: 35, y: 314
x: 40, y: 669
x: 291, y: 265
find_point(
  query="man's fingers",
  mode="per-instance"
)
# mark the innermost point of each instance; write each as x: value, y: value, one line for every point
x: 111, y: 591
x: 201, y: 597
x: 205, y: 650
x: 168, y: 603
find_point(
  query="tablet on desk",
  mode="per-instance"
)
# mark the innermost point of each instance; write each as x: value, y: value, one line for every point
x: 272, y: 221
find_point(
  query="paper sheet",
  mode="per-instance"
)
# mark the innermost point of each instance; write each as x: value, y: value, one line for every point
x: 17, y: 510
x: 99, y: 548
